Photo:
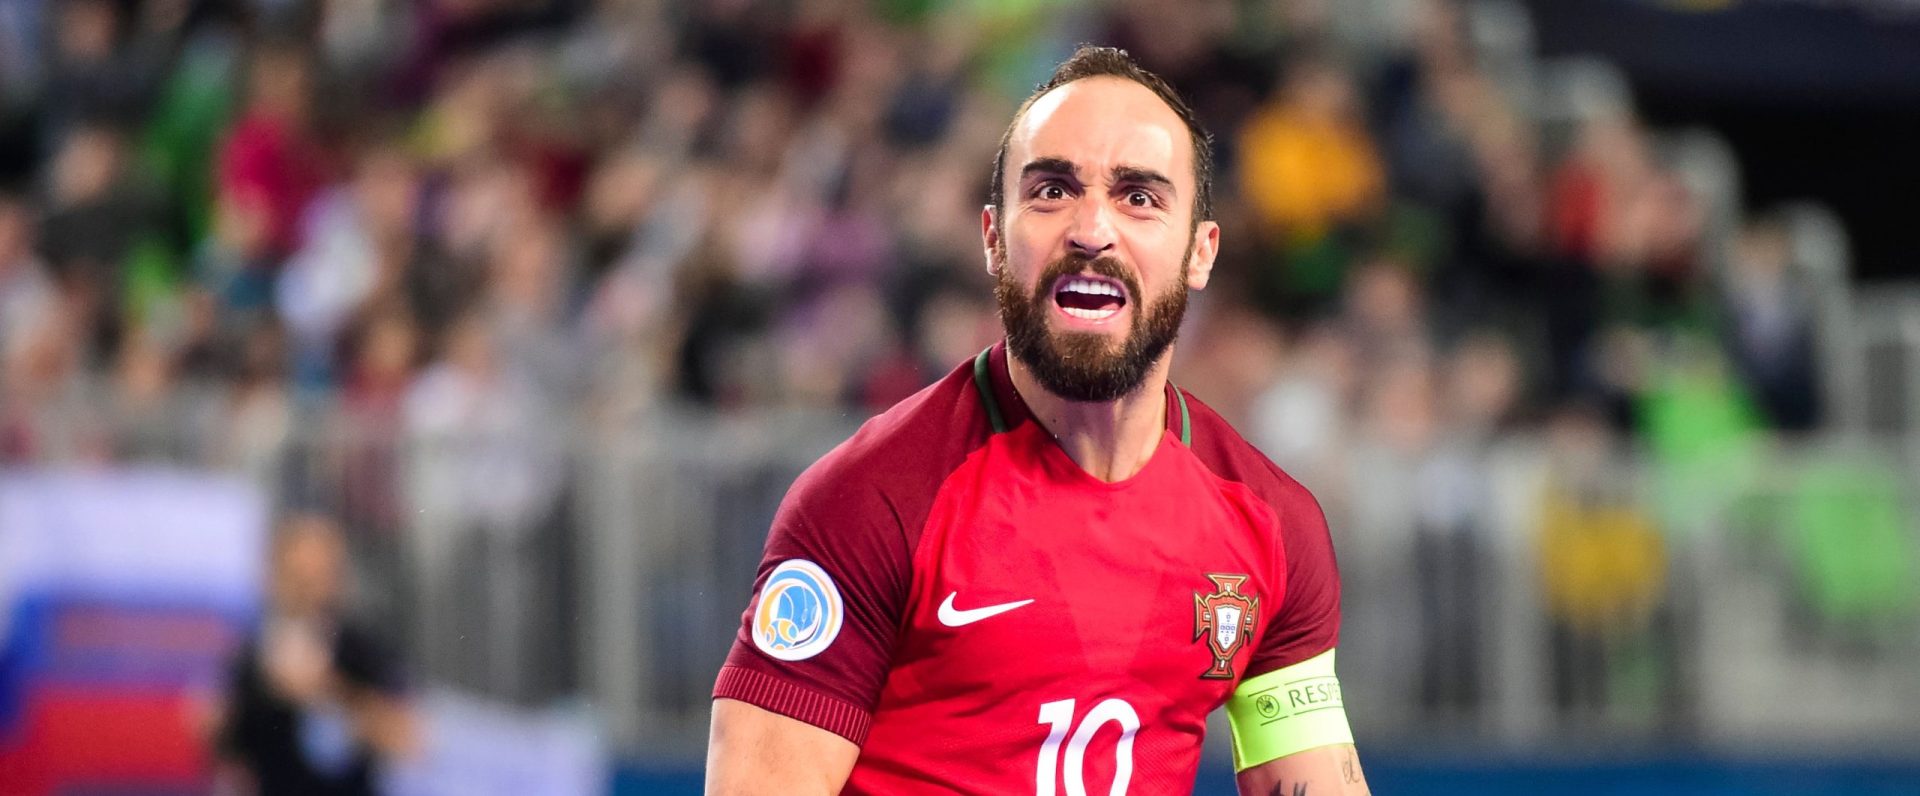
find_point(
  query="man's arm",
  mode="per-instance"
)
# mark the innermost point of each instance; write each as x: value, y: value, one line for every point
x: 753, y: 751
x: 386, y: 722
x: 1321, y: 771
x: 794, y: 700
x: 1290, y: 733
x: 1288, y: 715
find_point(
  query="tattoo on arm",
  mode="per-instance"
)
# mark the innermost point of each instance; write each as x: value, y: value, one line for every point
x: 1349, y: 775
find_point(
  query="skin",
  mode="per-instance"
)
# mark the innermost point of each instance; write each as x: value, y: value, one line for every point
x: 1325, y: 771
x: 756, y: 752
x: 1111, y: 132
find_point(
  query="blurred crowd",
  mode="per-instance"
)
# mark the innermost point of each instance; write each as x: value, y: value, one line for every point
x: 509, y: 216
x: 490, y: 211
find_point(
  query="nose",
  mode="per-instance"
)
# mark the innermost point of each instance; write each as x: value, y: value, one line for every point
x: 1091, y: 234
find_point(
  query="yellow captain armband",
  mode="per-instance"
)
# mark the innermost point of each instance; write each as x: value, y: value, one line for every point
x: 1286, y: 711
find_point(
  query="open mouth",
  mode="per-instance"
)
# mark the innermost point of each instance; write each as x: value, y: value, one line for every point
x: 1091, y: 298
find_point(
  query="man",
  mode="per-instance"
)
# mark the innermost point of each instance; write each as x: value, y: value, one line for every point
x: 1040, y: 574
x: 313, y: 702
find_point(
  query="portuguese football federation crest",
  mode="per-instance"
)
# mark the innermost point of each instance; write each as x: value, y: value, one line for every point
x: 1225, y: 619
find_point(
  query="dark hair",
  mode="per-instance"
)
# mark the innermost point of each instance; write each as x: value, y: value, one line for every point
x: 1090, y: 61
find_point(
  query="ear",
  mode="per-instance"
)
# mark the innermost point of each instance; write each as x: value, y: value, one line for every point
x: 990, y: 235
x: 1206, y: 245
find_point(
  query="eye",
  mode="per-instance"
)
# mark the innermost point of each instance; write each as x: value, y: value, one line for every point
x: 1140, y: 198
x: 1051, y: 191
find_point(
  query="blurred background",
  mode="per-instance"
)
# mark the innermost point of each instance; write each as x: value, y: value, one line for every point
x: 412, y: 381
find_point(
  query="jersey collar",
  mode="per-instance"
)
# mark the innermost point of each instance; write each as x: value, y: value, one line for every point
x: 1006, y: 411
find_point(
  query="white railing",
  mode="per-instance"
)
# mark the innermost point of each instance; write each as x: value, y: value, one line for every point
x: 625, y: 589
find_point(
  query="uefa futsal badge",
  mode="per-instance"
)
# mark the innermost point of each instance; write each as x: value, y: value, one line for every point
x: 1225, y: 619
x: 799, y: 611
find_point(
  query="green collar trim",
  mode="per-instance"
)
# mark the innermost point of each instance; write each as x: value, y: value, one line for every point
x: 1186, y: 420
x: 983, y: 380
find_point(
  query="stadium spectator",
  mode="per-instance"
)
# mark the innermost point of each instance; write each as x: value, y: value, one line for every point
x: 1479, y: 387
x: 1771, y: 332
x: 26, y: 291
x: 103, y: 65
x: 271, y: 165
x: 259, y: 412
x: 485, y: 472
x: 1310, y: 172
x: 314, y: 704
x: 1603, y: 561
x: 1303, y: 413
x: 48, y: 394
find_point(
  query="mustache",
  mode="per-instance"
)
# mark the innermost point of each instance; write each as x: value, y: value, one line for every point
x: 1074, y: 264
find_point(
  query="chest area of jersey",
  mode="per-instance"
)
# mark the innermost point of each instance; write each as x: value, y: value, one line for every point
x: 1031, y: 583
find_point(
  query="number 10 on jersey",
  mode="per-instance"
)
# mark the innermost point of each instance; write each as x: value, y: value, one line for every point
x: 1059, y: 717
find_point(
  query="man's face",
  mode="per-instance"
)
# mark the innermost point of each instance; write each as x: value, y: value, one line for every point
x: 310, y: 573
x: 1095, y: 248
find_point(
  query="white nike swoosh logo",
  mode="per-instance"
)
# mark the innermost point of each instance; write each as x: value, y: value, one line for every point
x: 954, y: 617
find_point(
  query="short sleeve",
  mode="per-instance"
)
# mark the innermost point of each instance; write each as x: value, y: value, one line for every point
x: 816, y: 639
x: 1308, y: 621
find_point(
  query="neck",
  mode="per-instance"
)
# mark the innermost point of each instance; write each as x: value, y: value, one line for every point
x: 1112, y: 440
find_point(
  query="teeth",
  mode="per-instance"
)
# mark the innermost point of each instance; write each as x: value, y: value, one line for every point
x: 1091, y: 315
x: 1092, y: 287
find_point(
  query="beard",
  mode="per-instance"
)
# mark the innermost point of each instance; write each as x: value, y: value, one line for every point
x: 1087, y: 366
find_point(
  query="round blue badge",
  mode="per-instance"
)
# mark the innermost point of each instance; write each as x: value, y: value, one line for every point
x: 799, y: 612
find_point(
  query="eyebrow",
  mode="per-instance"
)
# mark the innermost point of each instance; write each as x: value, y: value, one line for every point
x: 1135, y: 175
x: 1052, y: 166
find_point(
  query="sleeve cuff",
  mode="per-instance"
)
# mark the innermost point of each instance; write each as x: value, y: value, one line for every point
x: 793, y: 701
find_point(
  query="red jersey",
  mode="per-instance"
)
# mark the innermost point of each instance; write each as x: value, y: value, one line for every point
x: 951, y: 592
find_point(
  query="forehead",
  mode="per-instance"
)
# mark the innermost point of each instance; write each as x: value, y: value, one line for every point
x: 1101, y: 122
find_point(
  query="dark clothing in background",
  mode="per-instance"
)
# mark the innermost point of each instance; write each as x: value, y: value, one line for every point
x: 293, y: 751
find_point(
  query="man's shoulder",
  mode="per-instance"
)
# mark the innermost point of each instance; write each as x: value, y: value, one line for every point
x: 1302, y: 525
x: 900, y: 456
x: 1229, y: 456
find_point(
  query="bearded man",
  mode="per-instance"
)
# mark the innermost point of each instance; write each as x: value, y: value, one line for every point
x: 1045, y: 570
